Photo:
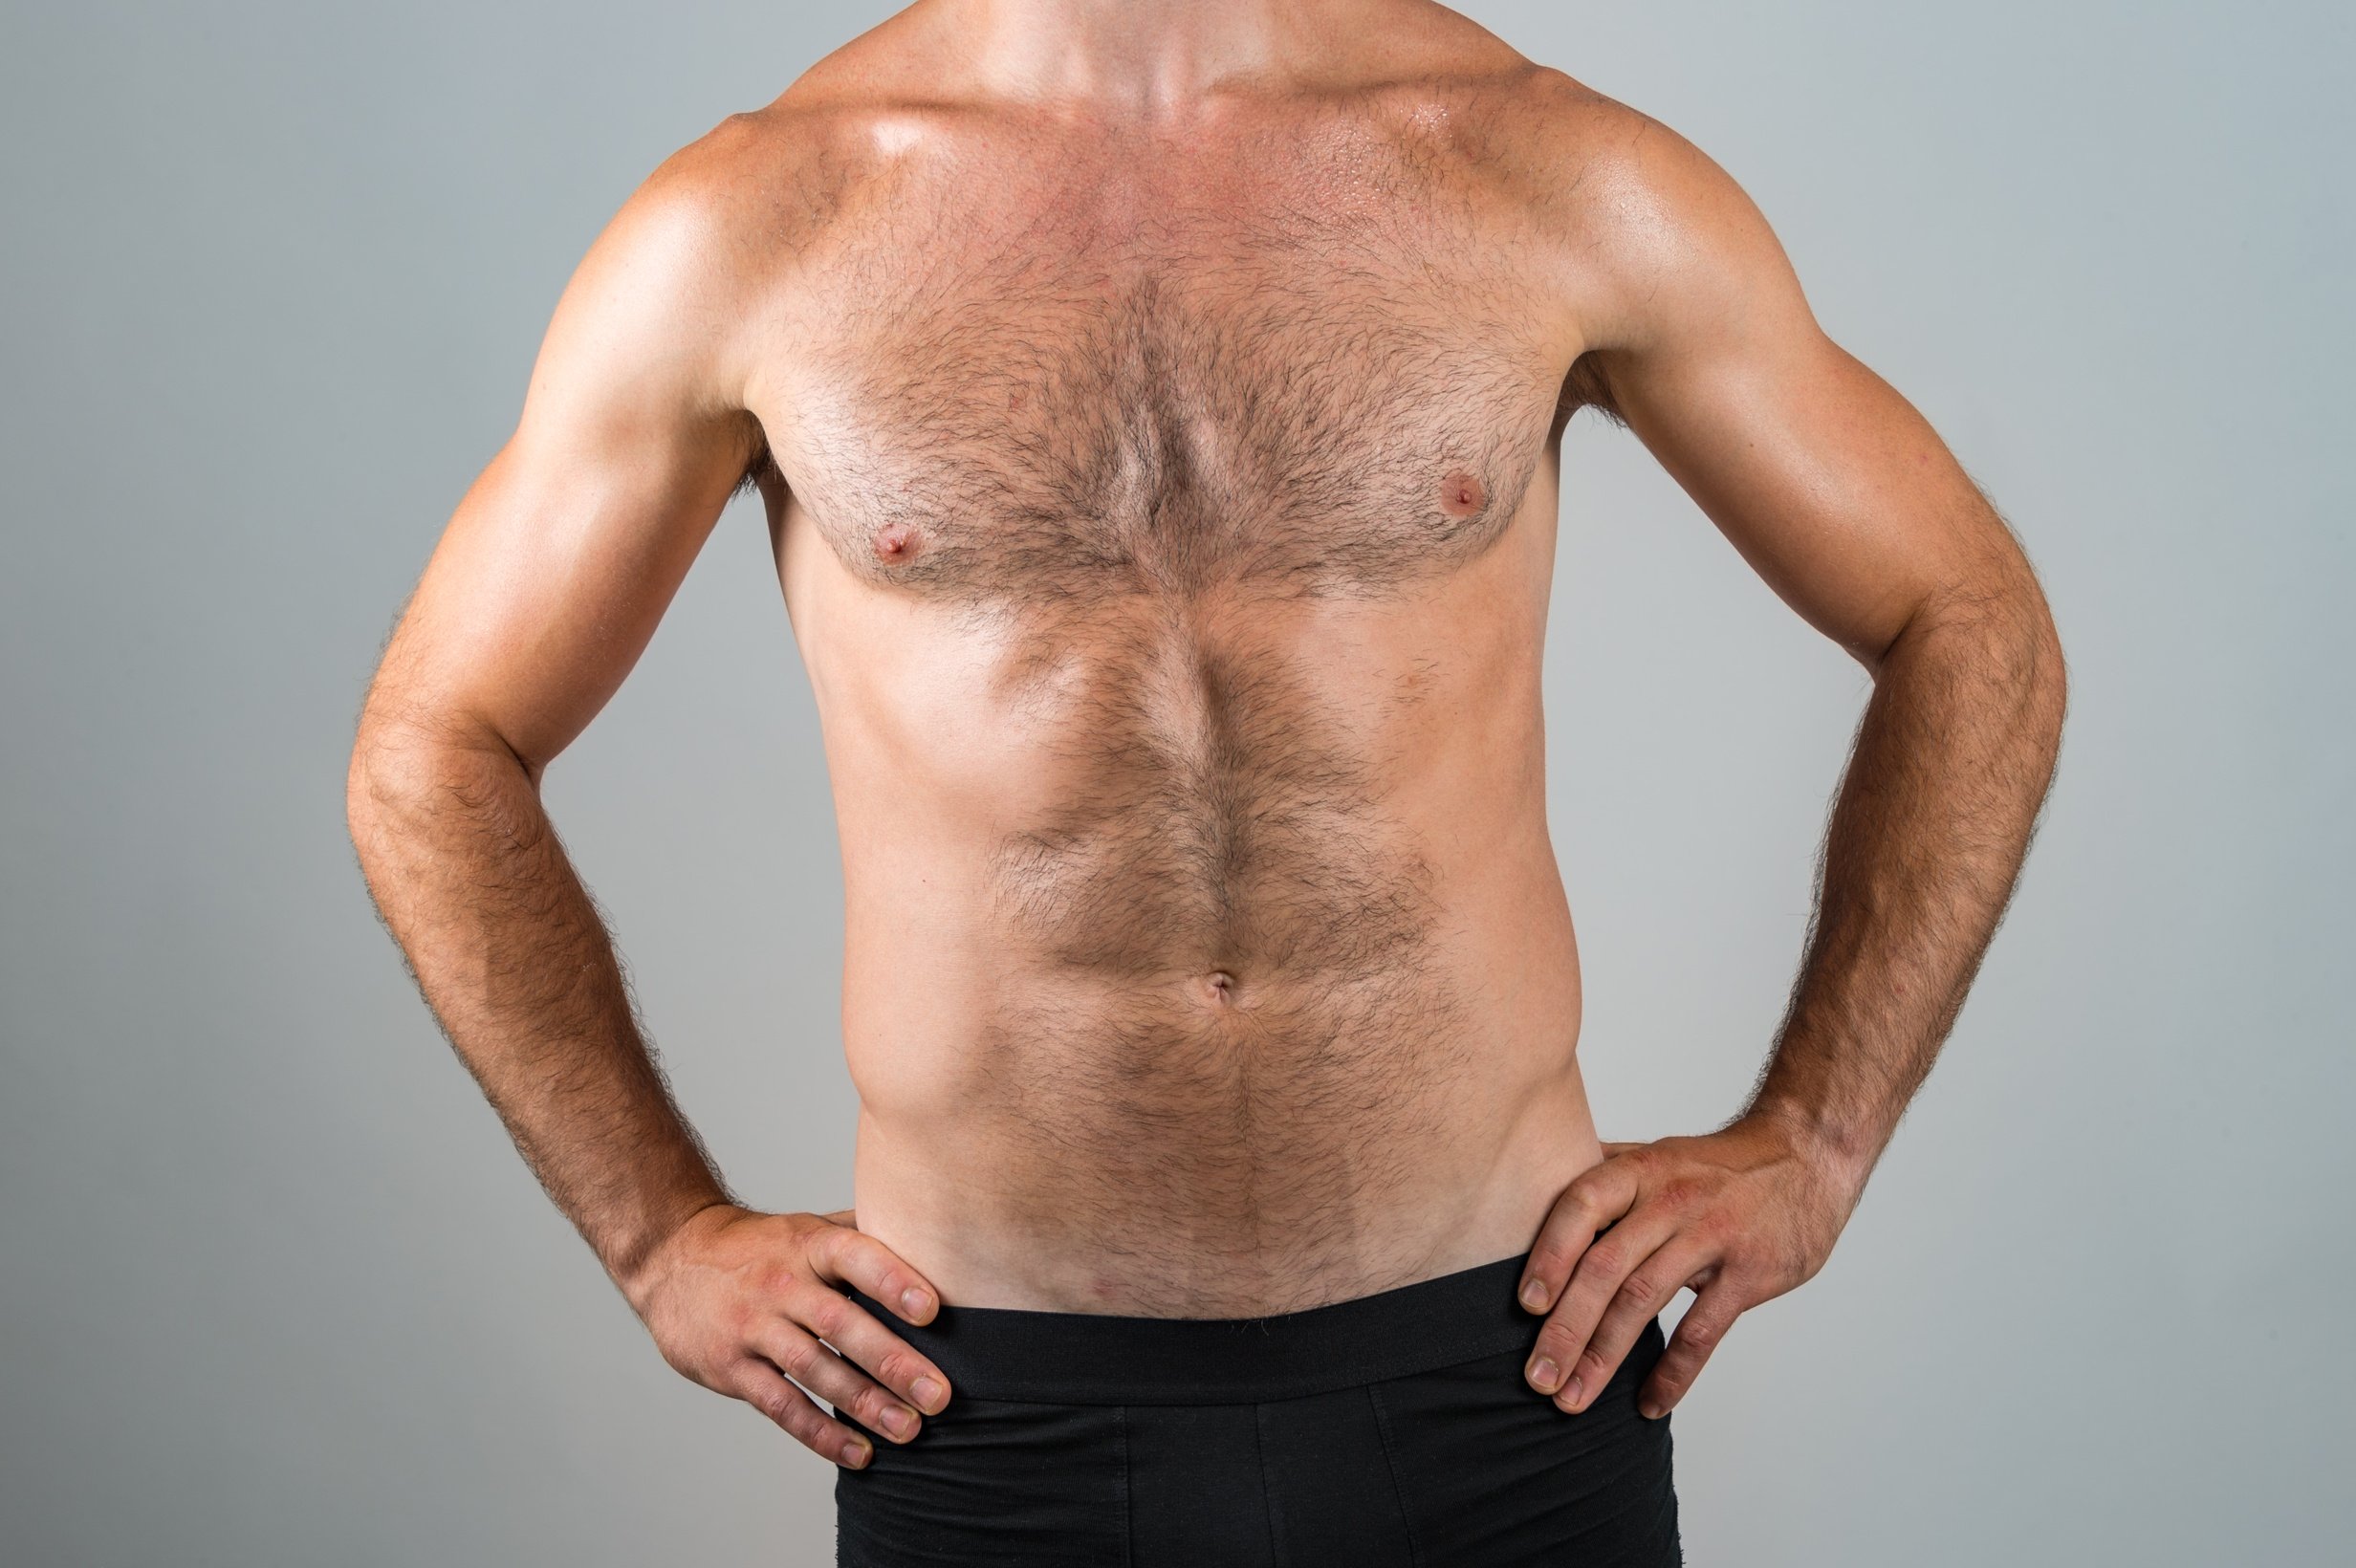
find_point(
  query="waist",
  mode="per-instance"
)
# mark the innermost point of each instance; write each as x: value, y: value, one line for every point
x: 1186, y: 1217
x: 1223, y: 1142
x: 1069, y: 1357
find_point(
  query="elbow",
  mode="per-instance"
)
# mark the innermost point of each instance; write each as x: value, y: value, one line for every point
x: 2052, y: 684
x: 387, y: 774
x: 2029, y: 656
x: 405, y: 769
x: 1999, y: 640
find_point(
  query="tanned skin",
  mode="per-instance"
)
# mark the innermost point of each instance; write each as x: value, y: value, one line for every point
x: 1158, y: 410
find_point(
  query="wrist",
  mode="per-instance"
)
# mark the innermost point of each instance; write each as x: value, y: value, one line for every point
x: 638, y: 1272
x: 1841, y: 1154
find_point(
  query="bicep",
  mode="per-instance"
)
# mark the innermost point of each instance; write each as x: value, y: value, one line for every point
x: 557, y: 565
x: 1831, y: 485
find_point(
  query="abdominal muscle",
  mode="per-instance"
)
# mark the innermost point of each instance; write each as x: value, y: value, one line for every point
x: 1205, y: 957
x: 1212, y: 1190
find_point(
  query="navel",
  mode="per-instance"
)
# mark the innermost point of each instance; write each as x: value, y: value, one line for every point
x: 1462, y: 493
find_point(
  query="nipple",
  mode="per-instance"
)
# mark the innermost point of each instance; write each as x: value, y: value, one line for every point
x: 1461, y: 494
x: 895, y: 542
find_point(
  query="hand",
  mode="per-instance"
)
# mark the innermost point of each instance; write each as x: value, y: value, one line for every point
x: 1740, y: 1215
x: 740, y: 1301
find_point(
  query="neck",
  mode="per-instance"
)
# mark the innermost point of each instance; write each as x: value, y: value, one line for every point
x: 1139, y: 56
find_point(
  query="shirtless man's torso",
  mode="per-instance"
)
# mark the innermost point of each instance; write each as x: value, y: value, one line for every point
x: 1165, y: 513
x: 1158, y: 413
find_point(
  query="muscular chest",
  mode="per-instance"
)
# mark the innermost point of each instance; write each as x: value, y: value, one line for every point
x: 1299, y: 406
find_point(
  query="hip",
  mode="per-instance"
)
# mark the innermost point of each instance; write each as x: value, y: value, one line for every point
x: 1393, y: 1429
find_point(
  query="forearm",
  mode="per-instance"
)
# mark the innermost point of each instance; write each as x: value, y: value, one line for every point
x: 1935, y: 815
x: 509, y: 953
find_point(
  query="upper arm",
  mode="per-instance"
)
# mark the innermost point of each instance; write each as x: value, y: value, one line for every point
x: 1830, y: 484
x: 559, y: 560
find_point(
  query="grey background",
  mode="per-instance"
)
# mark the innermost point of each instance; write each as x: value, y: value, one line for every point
x: 274, y: 1290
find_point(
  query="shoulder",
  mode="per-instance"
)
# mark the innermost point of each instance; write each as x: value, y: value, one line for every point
x: 1639, y: 223
x: 698, y: 257
x: 750, y: 192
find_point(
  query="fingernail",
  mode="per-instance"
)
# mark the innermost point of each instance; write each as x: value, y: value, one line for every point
x: 928, y: 1394
x: 1544, y: 1374
x: 1571, y: 1393
x: 855, y: 1452
x: 1533, y: 1295
x: 914, y: 1301
x: 899, y: 1420
x: 1649, y: 1410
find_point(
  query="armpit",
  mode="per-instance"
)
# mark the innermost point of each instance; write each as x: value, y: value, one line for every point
x: 1585, y: 387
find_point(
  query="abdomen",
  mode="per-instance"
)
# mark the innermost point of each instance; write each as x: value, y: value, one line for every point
x: 1212, y: 938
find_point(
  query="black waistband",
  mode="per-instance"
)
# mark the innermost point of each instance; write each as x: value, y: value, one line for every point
x: 1080, y: 1358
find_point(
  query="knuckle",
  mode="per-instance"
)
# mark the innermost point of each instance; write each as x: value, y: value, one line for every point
x: 1641, y: 1288
x: 872, y: 1258
x: 1718, y: 1230
x: 899, y: 1367
x: 820, y: 1246
x: 827, y: 1314
x: 1604, y: 1259
x: 1555, y: 1339
x: 1744, y: 1285
x: 799, y: 1358
x: 774, y: 1402
x: 1682, y: 1192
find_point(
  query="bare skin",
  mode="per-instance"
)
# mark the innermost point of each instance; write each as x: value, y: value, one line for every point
x: 1158, y: 411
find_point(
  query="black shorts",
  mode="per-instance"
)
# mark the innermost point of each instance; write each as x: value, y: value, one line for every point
x: 1395, y: 1431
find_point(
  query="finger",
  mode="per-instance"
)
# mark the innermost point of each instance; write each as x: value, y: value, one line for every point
x: 827, y: 1375
x: 845, y: 1254
x: 855, y: 1257
x: 1599, y: 1195
x: 1649, y: 1288
x: 765, y: 1388
x: 862, y: 1338
x: 1698, y: 1332
x: 1607, y: 1261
